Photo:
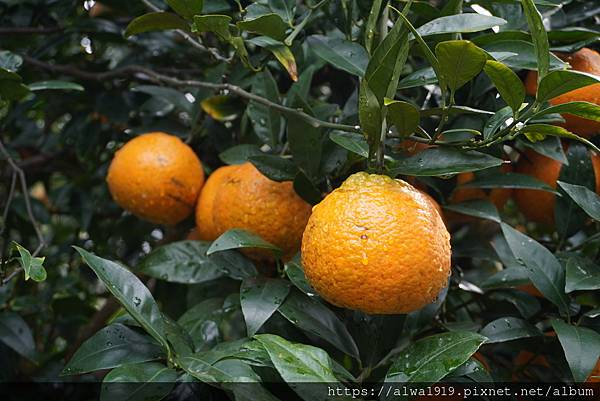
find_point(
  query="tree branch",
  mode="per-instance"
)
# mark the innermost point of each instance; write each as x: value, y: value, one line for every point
x: 29, y: 30
x: 189, y: 38
x: 18, y: 172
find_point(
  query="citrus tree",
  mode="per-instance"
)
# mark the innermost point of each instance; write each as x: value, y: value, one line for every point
x: 243, y: 196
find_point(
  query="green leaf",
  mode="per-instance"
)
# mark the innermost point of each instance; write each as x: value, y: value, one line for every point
x: 508, y: 329
x: 148, y: 381
x: 386, y: 64
x: 355, y: 143
x: 543, y: 269
x: 268, y: 24
x: 306, y: 189
x: 482, y: 209
x: 508, y: 180
x: 432, y: 358
x: 260, y: 297
x: 587, y: 110
x: 157, y: 21
x: 54, y: 85
x: 299, y: 363
x: 274, y: 167
x: 13, y: 89
x: 460, y: 23
x: 371, y: 27
x: 550, y: 147
x: 507, y: 82
x: 266, y: 121
x: 525, y: 57
x: 237, y: 238
x: 16, y: 334
x: 186, y: 262
x: 32, y: 267
x: 587, y: 200
x: 282, y: 53
x: 202, y: 322
x: 403, y: 115
x: 443, y: 161
x: 186, y: 8
x: 239, y: 154
x: 218, y: 24
x: 305, y: 141
x: 170, y: 95
x: 581, y: 346
x: 369, y: 114
x: 315, y: 318
x: 559, y: 82
x: 295, y: 273
x: 582, y: 275
x: 113, y: 346
x: 130, y: 292
x: 538, y: 36
x: 460, y: 61
x: 537, y: 132
x: 340, y: 53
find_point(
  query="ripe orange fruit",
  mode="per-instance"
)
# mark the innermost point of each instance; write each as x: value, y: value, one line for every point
x: 241, y: 197
x: 594, y: 377
x: 377, y: 245
x: 585, y: 60
x: 156, y: 177
x: 538, y: 206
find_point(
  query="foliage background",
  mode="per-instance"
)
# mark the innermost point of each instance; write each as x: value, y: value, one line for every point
x: 74, y: 88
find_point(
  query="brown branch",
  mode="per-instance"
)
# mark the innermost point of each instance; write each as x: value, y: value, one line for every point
x: 29, y: 30
x: 24, y: 189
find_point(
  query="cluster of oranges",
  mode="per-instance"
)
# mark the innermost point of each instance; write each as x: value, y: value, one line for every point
x: 374, y: 244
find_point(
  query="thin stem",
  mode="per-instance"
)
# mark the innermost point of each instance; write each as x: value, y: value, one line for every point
x: 189, y: 38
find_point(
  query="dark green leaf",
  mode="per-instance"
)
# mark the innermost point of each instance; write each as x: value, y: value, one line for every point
x: 113, y: 346
x: 559, y: 82
x: 218, y: 24
x: 588, y: 200
x: 296, y: 275
x: 260, y: 297
x: 169, y: 95
x: 268, y: 24
x: 432, y: 358
x: 544, y: 270
x: 239, y: 154
x: 355, y: 143
x: 157, y: 21
x: 587, y: 110
x: 508, y: 180
x: 581, y: 346
x: 538, y: 36
x: 460, y: 61
x: 305, y: 144
x: 315, y: 318
x: 265, y: 120
x: 508, y: 329
x: 15, y: 333
x: 186, y: 262
x: 130, y: 292
x: 403, y: 115
x: 340, y: 53
x: 497, y: 121
x: 507, y: 82
x: 369, y: 114
x: 525, y: 57
x: 282, y: 53
x: 186, y: 8
x: 460, y: 23
x: 582, y: 275
x: 202, y: 322
x: 477, y: 208
x: 306, y: 189
x: 237, y: 238
x: 442, y: 161
x: 275, y: 167
x: 148, y: 381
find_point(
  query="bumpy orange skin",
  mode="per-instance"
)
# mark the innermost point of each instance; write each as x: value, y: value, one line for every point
x: 244, y: 198
x: 585, y: 60
x: 156, y: 177
x: 377, y: 245
x: 538, y: 206
x: 205, y: 226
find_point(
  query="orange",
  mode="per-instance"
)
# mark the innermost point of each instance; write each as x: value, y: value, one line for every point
x: 241, y: 197
x: 585, y: 60
x: 156, y: 177
x: 538, y: 206
x: 594, y: 377
x: 378, y: 245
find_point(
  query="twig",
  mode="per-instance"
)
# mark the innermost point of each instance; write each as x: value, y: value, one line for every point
x: 29, y: 30
x: 214, y: 52
x: 24, y: 189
